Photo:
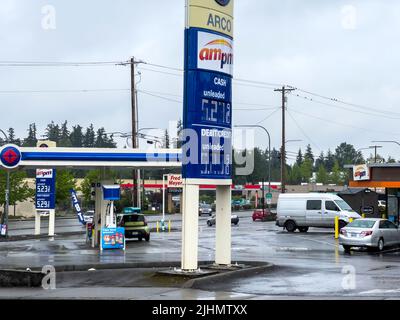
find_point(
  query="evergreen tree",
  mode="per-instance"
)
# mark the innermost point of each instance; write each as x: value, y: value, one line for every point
x: 11, y: 137
x: 53, y: 132
x: 89, y: 137
x: 65, y: 140
x: 336, y: 175
x: 31, y: 140
x: 346, y: 154
x: 320, y: 161
x: 309, y: 155
x: 306, y: 170
x: 329, y: 161
x: 299, y: 159
x: 322, y: 175
x: 295, y: 175
x: 76, y: 137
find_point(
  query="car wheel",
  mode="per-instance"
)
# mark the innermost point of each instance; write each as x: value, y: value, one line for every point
x: 303, y: 229
x: 209, y: 223
x: 147, y: 238
x: 290, y: 226
x: 140, y: 239
x: 346, y: 248
x: 381, y: 244
x: 236, y: 223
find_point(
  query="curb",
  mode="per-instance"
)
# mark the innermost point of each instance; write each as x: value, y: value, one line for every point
x: 20, y: 278
x: 225, y: 276
x: 33, y: 237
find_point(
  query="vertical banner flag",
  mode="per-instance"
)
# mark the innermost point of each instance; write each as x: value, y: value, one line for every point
x: 207, y: 114
x: 77, y: 207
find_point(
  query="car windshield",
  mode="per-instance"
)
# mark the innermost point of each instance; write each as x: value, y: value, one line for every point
x: 133, y: 218
x: 205, y: 206
x: 343, y: 205
x: 362, y: 223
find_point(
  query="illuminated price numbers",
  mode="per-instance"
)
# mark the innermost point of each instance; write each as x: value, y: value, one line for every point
x: 217, y: 112
x: 43, y: 189
x: 42, y: 204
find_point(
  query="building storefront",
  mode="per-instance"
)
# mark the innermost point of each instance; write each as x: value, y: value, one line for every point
x: 385, y: 176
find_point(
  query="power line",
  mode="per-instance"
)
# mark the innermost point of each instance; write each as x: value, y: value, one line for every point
x: 58, y: 63
x: 304, y: 133
x: 267, y: 117
x: 377, y: 114
x: 61, y: 91
x: 359, y: 106
x: 343, y: 124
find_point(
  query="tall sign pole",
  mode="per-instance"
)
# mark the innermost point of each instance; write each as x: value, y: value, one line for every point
x: 207, y: 122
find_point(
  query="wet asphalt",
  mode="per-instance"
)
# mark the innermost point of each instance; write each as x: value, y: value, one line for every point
x: 306, y: 266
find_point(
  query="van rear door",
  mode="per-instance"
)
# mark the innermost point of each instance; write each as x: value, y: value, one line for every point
x: 314, y: 213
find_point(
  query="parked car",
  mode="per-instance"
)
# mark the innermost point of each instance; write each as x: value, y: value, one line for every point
x: 260, y: 214
x: 304, y: 210
x: 135, y: 225
x: 205, y: 208
x: 369, y: 233
x: 211, y: 221
x: 88, y: 216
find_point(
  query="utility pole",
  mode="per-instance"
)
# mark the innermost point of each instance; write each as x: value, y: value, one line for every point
x: 283, y: 90
x: 375, y: 147
x: 134, y: 132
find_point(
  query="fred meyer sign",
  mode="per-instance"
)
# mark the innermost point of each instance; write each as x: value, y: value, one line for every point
x: 174, y: 181
x: 207, y: 114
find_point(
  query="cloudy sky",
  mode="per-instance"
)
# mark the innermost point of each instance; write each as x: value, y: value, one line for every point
x: 345, y: 50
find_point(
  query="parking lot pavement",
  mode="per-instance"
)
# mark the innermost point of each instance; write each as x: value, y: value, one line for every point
x: 306, y: 264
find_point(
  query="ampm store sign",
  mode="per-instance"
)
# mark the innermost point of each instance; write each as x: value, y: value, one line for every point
x: 207, y: 116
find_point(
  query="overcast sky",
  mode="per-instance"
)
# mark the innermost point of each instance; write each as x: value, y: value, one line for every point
x: 347, y: 50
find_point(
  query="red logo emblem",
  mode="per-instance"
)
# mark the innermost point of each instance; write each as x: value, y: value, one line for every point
x: 10, y: 156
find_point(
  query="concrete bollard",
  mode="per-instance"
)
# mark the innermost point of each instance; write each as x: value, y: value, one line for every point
x: 157, y: 227
x: 169, y: 225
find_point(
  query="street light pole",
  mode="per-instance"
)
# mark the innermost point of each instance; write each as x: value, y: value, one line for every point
x: 4, y: 219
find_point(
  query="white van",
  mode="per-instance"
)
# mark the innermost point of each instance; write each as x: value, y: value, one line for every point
x: 304, y: 210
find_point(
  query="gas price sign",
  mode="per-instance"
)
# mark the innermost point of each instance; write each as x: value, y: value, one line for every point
x: 208, y: 105
x: 45, y: 189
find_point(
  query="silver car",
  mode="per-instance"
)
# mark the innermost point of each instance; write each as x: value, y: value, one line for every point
x: 369, y: 233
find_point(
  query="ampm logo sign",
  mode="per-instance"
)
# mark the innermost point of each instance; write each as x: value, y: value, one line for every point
x: 44, y: 173
x: 215, y: 53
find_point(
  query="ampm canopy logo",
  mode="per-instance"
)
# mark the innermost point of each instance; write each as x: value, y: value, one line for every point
x: 215, y: 53
x: 223, y: 2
